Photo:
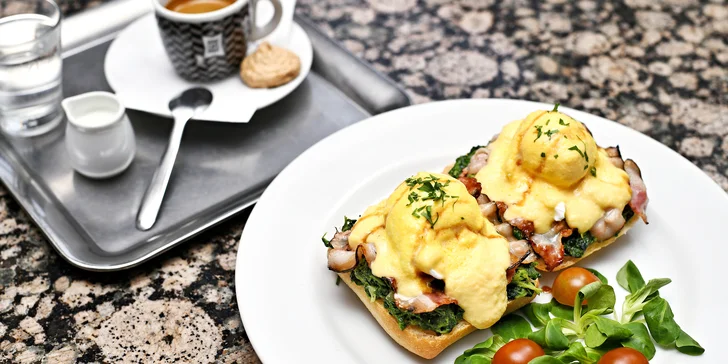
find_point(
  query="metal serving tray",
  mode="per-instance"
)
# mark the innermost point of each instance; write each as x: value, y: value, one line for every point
x: 221, y: 169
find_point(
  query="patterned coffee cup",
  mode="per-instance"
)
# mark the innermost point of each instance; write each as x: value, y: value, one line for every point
x: 210, y: 46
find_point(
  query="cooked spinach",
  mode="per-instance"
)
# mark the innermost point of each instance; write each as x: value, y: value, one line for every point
x: 441, y: 320
x: 374, y: 286
x: 462, y: 161
x: 576, y: 243
x: 348, y: 224
x: 627, y: 213
x: 522, y: 282
x: 518, y: 234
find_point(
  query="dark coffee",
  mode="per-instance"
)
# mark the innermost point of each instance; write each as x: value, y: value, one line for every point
x: 197, y: 6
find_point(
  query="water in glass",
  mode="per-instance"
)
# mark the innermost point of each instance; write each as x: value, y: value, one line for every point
x: 30, y: 71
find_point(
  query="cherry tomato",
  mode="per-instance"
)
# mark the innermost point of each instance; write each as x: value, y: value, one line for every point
x: 568, y: 283
x: 622, y: 356
x: 519, y: 351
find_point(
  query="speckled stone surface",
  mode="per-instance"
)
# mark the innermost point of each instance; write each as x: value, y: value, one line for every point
x: 660, y: 67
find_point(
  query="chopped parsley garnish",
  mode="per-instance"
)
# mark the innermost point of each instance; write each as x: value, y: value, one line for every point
x: 556, y: 107
x: 430, y: 188
x: 327, y: 242
x: 575, y: 148
x: 556, y: 156
x: 412, y: 197
x: 551, y: 132
x: 593, y: 171
x: 561, y: 122
x: 543, y: 155
x: 538, y: 132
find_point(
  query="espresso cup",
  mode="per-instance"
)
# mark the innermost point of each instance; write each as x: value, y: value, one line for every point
x: 209, y: 46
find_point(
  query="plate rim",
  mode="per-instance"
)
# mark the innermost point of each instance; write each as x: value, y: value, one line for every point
x: 258, y: 343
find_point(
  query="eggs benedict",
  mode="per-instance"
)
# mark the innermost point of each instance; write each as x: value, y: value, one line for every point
x: 547, y: 183
x: 429, y: 266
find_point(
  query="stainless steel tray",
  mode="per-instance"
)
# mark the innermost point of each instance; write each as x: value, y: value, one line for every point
x: 221, y: 169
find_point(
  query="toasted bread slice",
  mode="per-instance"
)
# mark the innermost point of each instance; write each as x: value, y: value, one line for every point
x: 424, y: 343
x: 594, y: 247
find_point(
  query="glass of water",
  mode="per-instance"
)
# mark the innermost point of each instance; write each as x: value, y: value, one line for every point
x: 30, y: 67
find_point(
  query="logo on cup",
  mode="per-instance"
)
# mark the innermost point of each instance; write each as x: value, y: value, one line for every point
x: 210, y: 46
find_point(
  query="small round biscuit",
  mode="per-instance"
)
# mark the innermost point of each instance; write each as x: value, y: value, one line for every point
x: 269, y: 66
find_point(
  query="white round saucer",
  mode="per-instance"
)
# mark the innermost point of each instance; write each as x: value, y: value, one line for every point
x: 138, y: 70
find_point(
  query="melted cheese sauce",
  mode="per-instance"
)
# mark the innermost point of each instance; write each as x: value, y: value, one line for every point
x: 534, y: 172
x: 462, y: 247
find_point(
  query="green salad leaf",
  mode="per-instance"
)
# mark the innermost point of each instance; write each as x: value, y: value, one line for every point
x: 640, y: 339
x: 602, y: 300
x: 577, y: 353
x: 687, y: 345
x: 593, y: 337
x: 611, y: 328
x: 562, y: 311
x: 481, y: 353
x: 550, y: 337
x: 630, y: 278
x: 512, y: 327
x: 599, y: 275
x: 634, y: 302
x: 538, y: 313
x: 546, y: 359
x: 462, y: 162
x: 660, y: 321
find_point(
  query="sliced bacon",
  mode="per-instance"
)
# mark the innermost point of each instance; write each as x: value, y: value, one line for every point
x: 615, y: 157
x: 341, y: 240
x: 502, y: 207
x: 639, y: 200
x: 564, y: 228
x: 608, y: 225
x: 341, y: 260
x: 524, y: 225
x: 548, y: 246
x: 472, y: 185
x: 426, y: 302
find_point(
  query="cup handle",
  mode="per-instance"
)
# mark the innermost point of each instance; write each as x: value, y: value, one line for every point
x: 257, y: 32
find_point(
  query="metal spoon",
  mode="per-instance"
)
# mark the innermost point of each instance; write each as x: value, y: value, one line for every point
x: 183, y: 108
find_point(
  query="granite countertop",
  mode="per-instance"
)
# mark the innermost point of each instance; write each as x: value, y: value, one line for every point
x: 661, y: 69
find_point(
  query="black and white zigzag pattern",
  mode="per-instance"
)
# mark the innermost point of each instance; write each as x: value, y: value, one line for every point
x: 186, y: 49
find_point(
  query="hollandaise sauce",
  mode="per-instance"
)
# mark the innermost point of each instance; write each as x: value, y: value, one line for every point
x: 548, y: 168
x: 431, y: 227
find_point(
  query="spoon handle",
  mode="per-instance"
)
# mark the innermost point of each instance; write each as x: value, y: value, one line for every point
x: 152, y: 200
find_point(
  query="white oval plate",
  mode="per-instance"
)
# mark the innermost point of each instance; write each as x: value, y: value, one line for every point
x: 293, y: 311
x: 138, y: 70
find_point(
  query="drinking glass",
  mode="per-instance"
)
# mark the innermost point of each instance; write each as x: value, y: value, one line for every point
x: 30, y: 67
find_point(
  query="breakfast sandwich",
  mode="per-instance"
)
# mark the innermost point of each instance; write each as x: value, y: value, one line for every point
x: 548, y: 185
x: 428, y: 266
